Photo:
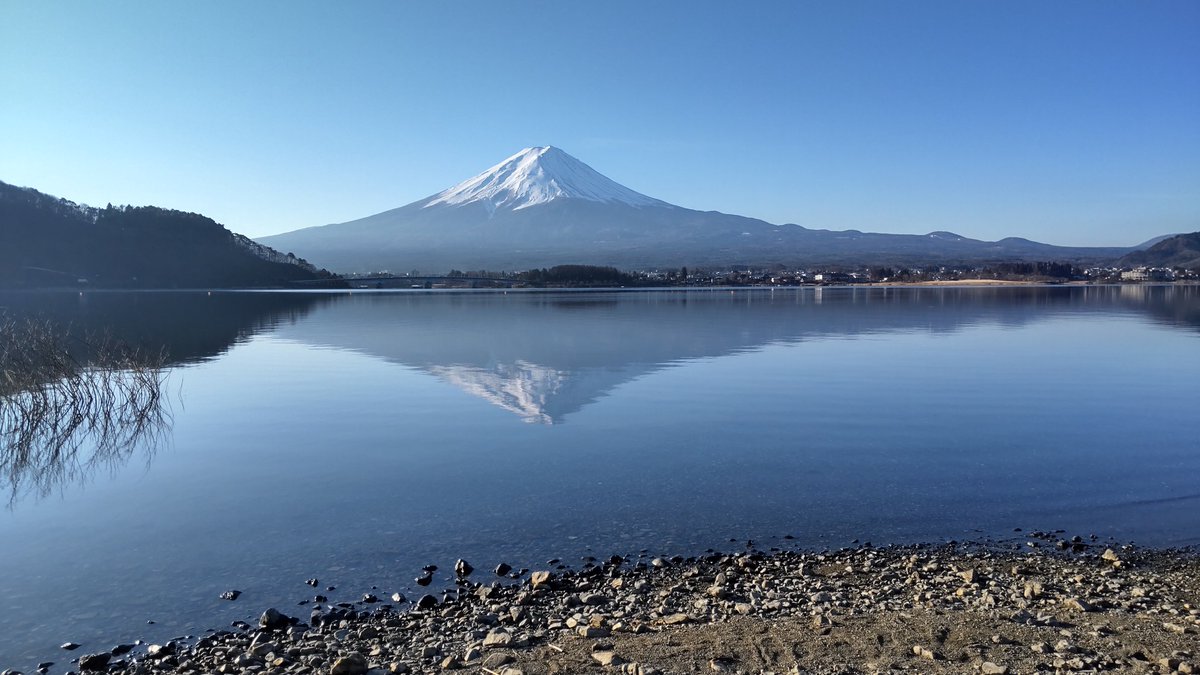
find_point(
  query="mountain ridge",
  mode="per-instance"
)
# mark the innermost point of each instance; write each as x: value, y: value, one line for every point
x: 542, y: 207
x: 1181, y: 250
x: 48, y: 241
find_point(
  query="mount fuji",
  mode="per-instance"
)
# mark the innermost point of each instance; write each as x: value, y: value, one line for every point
x: 542, y: 207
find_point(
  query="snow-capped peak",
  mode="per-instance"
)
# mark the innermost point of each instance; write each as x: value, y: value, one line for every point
x: 536, y: 176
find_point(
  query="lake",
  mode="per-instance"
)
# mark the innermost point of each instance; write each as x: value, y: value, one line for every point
x: 356, y: 437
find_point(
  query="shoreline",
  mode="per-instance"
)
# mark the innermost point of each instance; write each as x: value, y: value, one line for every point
x: 959, y: 283
x: 1050, y: 605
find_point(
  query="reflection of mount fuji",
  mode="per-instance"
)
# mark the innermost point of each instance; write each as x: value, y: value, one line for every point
x: 536, y: 393
x: 546, y: 355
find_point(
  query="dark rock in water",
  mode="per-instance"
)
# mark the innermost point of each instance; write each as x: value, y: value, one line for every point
x: 312, y: 582
x: 463, y: 568
x: 330, y: 589
x: 94, y: 661
x: 398, y: 598
x: 429, y: 568
x: 273, y: 618
x: 427, y: 602
x: 424, y: 579
x: 502, y: 569
x: 68, y: 646
x: 121, y: 649
x: 11, y: 672
x: 370, y: 598
x: 230, y: 595
x: 320, y: 598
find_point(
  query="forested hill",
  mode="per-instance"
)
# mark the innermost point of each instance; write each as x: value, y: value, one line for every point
x: 1182, y: 250
x: 50, y: 242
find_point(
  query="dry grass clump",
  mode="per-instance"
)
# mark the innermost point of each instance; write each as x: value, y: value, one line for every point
x: 71, y: 404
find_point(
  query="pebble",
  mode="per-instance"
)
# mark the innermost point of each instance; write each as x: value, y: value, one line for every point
x: 351, y: 664
x: 926, y: 653
x: 489, y: 625
x: 607, y: 658
x: 94, y: 661
x: 498, y: 638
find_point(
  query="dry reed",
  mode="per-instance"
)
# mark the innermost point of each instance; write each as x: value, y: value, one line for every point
x: 72, y: 404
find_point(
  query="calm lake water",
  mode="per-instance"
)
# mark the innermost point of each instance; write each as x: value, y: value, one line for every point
x: 358, y: 437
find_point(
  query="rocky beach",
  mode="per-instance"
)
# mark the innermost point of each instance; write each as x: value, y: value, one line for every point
x: 1047, y: 604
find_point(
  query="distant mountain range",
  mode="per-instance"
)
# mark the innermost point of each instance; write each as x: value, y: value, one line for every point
x: 50, y: 242
x: 1181, y: 250
x: 542, y: 207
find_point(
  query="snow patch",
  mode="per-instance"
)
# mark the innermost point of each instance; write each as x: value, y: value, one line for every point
x: 536, y: 176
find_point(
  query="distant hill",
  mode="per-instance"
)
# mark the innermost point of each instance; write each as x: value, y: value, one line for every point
x: 1182, y: 250
x: 542, y: 207
x: 50, y: 242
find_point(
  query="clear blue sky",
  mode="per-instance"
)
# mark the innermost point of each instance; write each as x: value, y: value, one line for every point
x: 1070, y: 122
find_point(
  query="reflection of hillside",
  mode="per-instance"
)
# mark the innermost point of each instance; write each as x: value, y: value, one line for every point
x: 190, y: 326
x: 1168, y: 304
x: 85, y: 373
x: 545, y: 355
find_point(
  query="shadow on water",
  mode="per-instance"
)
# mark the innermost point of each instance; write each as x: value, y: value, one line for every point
x: 188, y: 327
x: 83, y: 378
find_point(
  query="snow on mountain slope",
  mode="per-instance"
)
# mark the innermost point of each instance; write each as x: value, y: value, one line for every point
x: 536, y: 176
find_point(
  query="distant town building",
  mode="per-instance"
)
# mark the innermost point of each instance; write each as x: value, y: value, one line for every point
x: 1148, y: 274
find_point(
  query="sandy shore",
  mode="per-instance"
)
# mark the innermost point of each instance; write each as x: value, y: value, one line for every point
x: 1049, y: 606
